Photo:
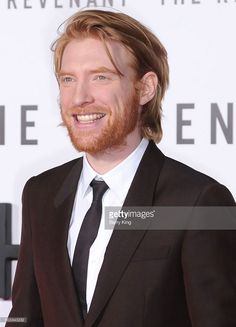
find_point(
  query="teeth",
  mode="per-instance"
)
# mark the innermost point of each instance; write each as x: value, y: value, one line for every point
x: 91, y: 117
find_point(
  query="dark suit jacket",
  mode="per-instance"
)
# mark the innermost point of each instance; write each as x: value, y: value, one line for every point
x: 161, y: 278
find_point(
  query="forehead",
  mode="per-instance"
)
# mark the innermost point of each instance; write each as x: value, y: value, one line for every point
x: 92, y: 52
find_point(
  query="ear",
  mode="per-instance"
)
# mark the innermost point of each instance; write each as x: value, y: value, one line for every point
x: 148, y: 87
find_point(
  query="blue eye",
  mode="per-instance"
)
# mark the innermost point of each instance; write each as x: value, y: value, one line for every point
x: 67, y: 79
x: 101, y: 77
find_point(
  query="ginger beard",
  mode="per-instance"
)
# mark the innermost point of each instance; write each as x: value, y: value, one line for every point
x: 117, y: 126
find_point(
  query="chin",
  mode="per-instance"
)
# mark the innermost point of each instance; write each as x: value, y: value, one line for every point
x: 89, y: 146
x: 96, y: 145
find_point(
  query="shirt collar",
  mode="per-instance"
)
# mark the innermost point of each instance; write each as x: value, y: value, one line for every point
x: 120, y: 177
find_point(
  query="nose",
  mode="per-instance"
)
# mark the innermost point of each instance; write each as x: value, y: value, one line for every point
x: 82, y: 95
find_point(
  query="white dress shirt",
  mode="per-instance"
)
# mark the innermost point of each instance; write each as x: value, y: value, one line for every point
x: 119, y: 180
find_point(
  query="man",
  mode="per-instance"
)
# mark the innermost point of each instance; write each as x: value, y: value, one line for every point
x: 112, y: 74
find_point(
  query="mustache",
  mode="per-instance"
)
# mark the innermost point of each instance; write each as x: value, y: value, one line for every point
x: 75, y: 110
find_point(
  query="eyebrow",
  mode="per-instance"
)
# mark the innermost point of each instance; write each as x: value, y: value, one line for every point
x: 98, y: 70
x: 103, y: 70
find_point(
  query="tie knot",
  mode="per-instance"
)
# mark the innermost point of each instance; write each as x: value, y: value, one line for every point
x: 99, y: 188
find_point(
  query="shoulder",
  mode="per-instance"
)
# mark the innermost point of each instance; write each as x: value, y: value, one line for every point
x: 190, y: 186
x: 180, y: 171
x: 54, y: 177
x: 60, y: 171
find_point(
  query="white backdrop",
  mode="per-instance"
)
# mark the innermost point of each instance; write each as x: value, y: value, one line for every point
x: 200, y: 38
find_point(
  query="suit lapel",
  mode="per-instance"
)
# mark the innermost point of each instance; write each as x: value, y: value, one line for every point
x: 123, y: 243
x: 63, y: 206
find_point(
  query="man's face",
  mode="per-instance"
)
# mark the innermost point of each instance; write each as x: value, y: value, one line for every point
x: 99, y: 107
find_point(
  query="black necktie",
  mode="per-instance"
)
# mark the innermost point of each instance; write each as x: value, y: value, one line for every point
x: 86, y: 237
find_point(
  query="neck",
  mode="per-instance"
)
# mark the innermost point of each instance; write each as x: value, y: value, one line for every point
x: 105, y: 160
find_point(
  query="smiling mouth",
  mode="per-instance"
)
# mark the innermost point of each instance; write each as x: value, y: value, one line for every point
x: 88, y: 118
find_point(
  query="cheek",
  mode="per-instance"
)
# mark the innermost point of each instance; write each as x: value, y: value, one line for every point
x: 109, y: 100
x: 113, y: 95
x: 65, y: 96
